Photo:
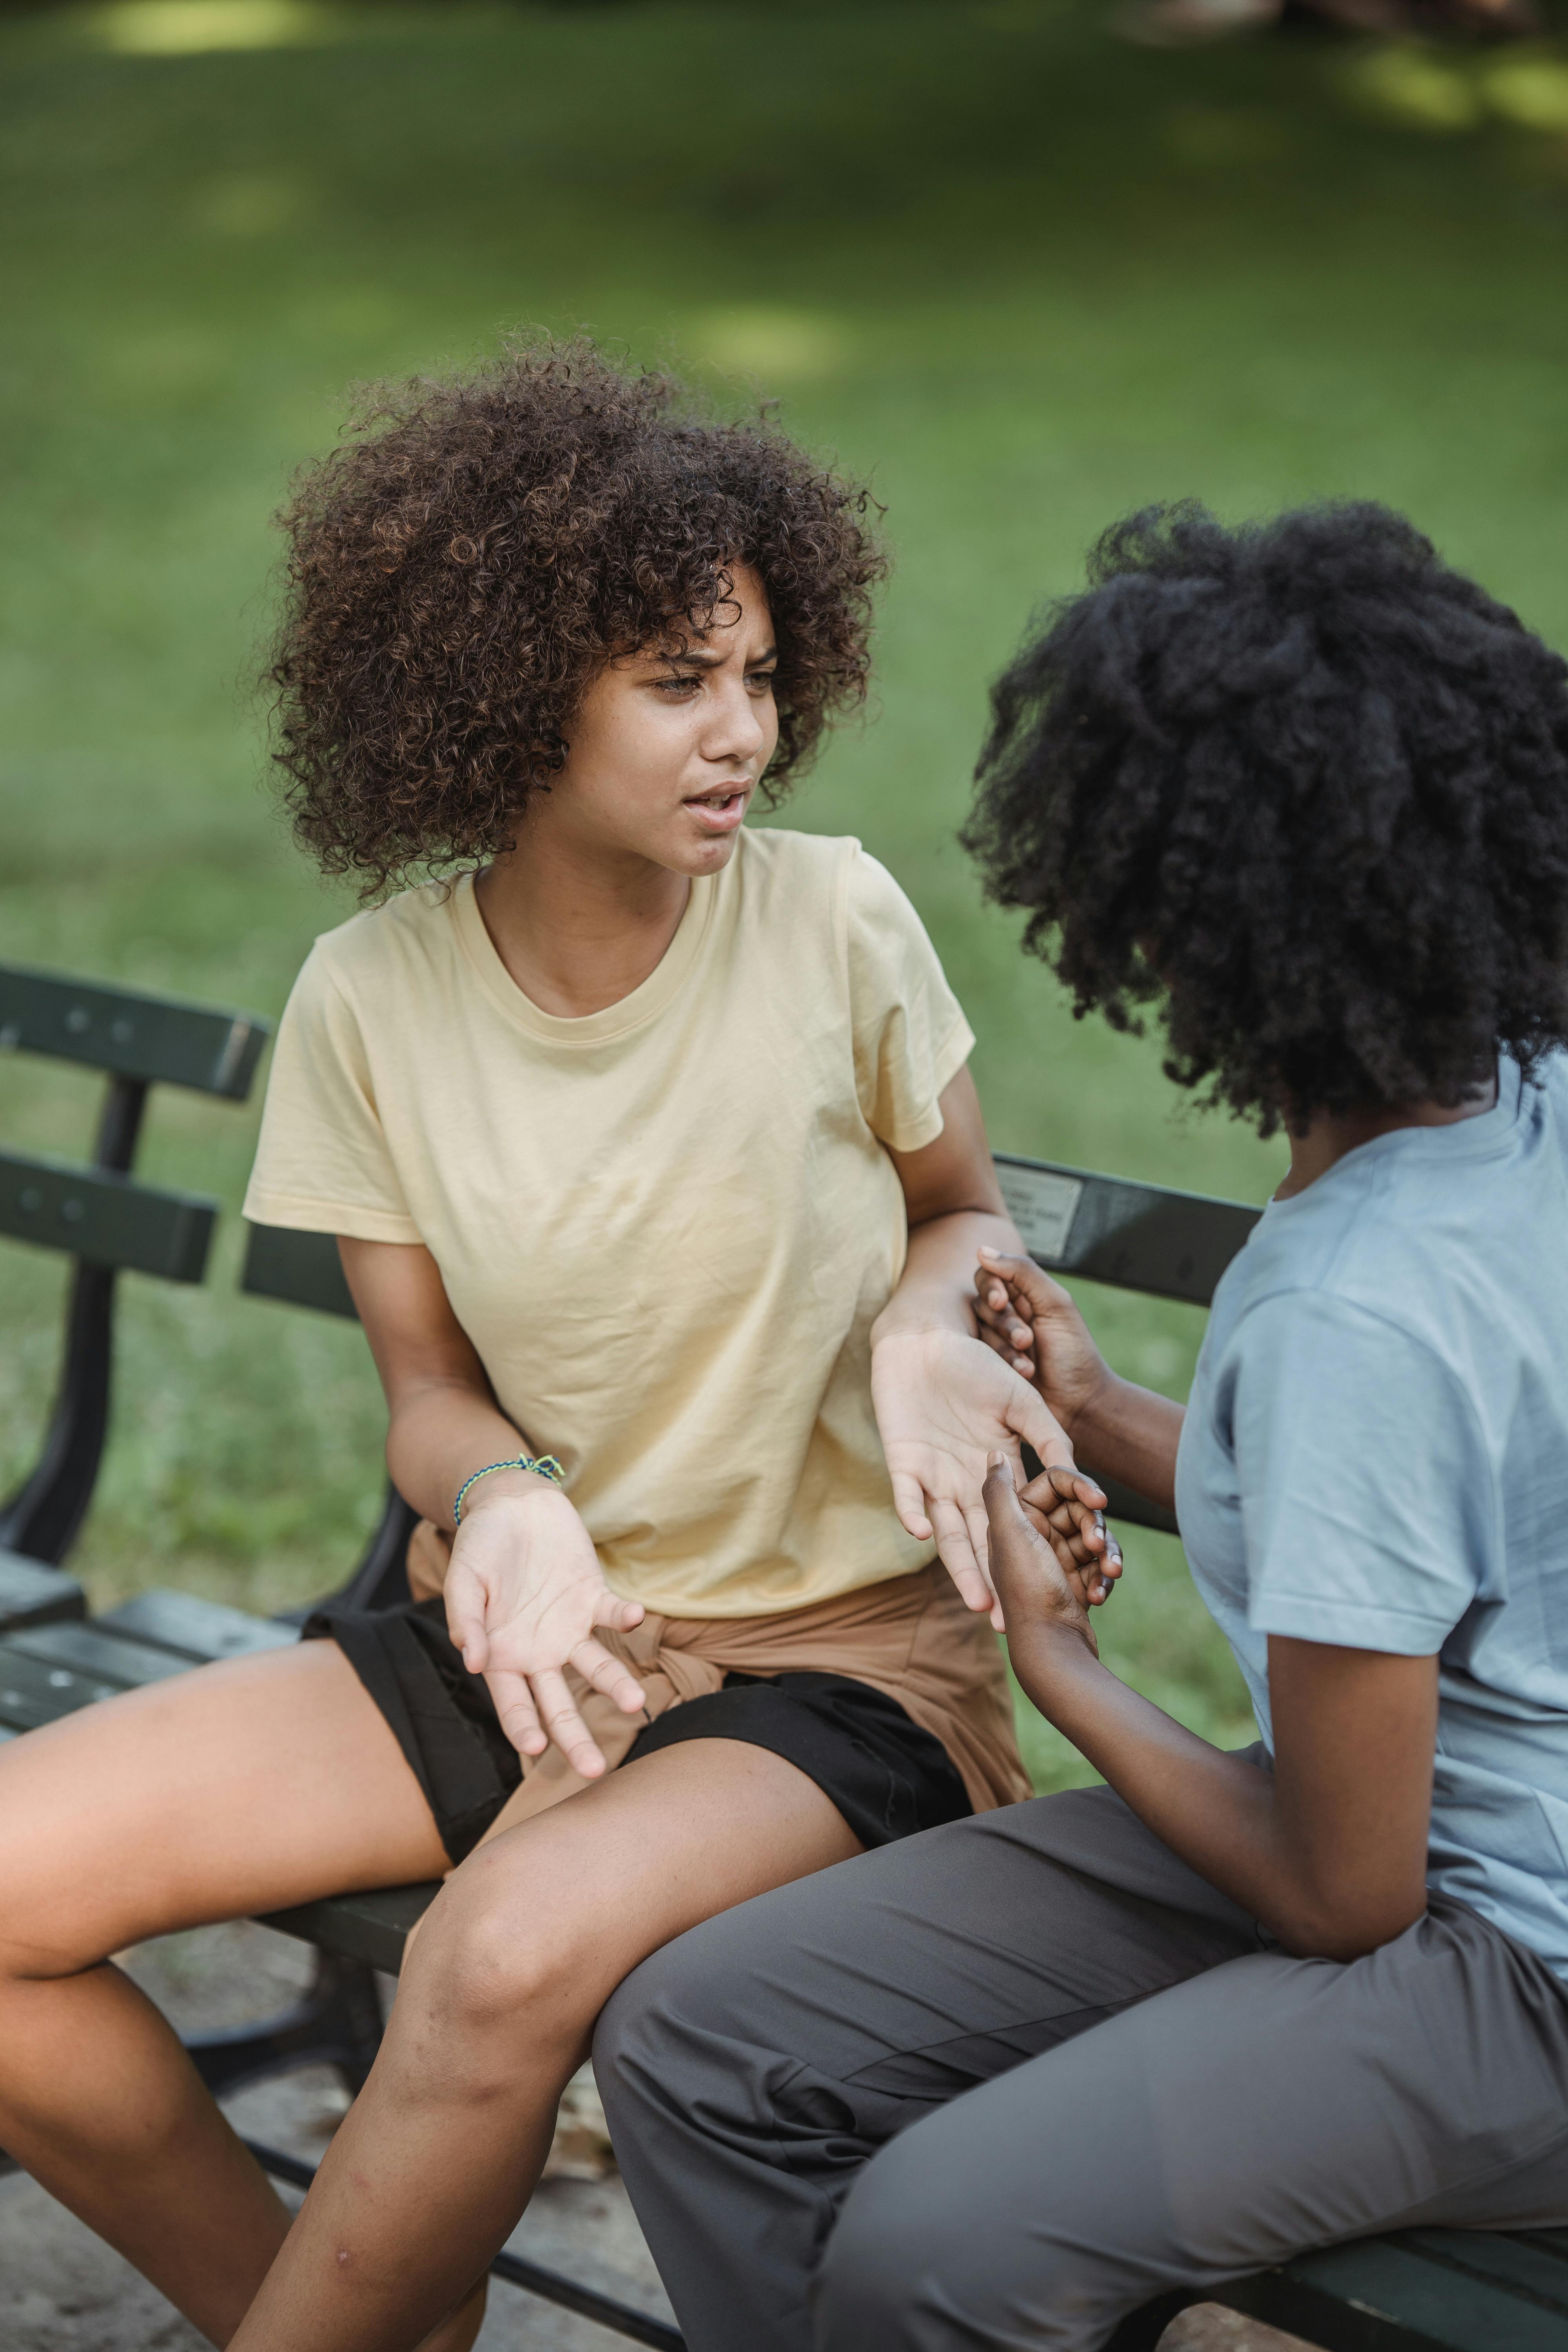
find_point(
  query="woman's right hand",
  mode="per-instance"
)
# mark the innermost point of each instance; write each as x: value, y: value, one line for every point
x: 525, y: 1594
x: 1037, y: 1331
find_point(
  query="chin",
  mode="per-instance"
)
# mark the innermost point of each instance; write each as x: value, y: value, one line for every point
x: 707, y: 857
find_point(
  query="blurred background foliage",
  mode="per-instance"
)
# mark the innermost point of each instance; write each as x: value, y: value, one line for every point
x: 1022, y: 277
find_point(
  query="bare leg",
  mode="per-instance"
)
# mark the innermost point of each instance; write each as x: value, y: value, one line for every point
x: 514, y: 1961
x: 241, y: 1787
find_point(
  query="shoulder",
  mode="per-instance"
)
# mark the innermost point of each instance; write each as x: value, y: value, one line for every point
x: 372, y: 951
x: 795, y: 887
x: 1315, y: 1344
x: 795, y: 866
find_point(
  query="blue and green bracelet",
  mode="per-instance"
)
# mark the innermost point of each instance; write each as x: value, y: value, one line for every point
x: 545, y: 1466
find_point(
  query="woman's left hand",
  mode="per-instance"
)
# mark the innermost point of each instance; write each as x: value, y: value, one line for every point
x: 944, y: 1403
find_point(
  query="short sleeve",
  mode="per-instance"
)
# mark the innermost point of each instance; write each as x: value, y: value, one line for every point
x: 1367, y: 1501
x: 321, y: 1160
x: 911, y: 1035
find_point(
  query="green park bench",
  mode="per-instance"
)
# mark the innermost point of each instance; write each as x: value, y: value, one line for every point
x: 1415, y: 2291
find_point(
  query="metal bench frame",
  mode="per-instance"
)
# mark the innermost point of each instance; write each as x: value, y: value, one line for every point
x: 1413, y: 2290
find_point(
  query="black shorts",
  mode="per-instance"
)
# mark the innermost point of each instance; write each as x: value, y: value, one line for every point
x: 885, y: 1775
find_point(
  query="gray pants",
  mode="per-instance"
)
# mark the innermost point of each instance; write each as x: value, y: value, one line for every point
x: 1003, y: 2082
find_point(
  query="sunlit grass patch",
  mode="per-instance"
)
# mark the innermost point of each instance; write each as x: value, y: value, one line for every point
x: 183, y: 28
x: 779, y: 346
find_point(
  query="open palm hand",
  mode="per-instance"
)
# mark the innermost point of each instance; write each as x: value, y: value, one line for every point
x: 944, y: 1404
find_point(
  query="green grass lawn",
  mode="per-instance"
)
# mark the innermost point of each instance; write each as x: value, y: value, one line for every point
x: 1025, y: 278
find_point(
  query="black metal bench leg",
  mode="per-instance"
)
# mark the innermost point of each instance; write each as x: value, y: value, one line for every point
x: 337, y: 2022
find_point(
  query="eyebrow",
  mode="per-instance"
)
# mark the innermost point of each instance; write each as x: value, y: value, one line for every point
x: 692, y: 660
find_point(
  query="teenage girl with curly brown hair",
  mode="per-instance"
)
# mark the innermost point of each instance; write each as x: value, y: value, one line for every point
x: 640, y: 1137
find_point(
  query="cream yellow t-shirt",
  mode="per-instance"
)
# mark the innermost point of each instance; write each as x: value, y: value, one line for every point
x: 667, y: 1227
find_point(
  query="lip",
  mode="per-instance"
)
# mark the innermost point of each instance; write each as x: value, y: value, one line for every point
x: 725, y: 820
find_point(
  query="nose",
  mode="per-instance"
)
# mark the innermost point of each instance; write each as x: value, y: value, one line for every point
x: 738, y: 723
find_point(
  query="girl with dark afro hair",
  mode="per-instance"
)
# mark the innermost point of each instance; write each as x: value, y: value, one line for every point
x: 1304, y: 790
x: 648, y: 1142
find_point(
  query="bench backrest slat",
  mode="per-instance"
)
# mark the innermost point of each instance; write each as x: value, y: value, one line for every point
x: 105, y: 1219
x: 301, y: 1269
x: 128, y: 1032
x: 1139, y: 1236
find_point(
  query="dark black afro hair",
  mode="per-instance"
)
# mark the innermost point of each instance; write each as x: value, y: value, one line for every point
x: 1305, y: 788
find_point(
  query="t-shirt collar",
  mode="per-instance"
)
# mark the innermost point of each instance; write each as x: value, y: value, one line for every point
x: 1489, y: 1133
x: 644, y: 1003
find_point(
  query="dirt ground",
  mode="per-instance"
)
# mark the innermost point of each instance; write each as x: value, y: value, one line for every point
x: 62, y: 2290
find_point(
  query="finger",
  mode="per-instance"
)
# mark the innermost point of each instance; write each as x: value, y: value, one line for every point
x: 1029, y: 1418
x: 1006, y: 1521
x: 1067, y: 1542
x: 910, y: 1502
x: 996, y: 1312
x: 995, y: 1306
x: 516, y: 1712
x: 618, y: 1615
x: 558, y: 1713
x: 1064, y: 1484
x: 957, y: 1555
x: 978, y: 1532
x: 1079, y: 1506
x: 1034, y: 1292
x: 1024, y: 1365
x: 465, y: 1596
x: 609, y: 1674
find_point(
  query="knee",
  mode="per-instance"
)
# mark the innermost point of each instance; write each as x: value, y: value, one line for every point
x: 908, y: 2265
x: 486, y: 1961
x: 881, y: 2245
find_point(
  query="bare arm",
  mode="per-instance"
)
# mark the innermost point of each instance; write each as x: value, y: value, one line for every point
x: 443, y: 1421
x: 1329, y: 1851
x: 954, y: 1207
x: 942, y: 1399
x: 524, y: 1589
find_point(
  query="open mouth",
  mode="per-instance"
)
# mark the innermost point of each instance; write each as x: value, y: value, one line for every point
x: 722, y: 811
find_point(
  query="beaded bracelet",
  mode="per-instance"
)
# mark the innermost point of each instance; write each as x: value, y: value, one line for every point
x: 545, y: 1465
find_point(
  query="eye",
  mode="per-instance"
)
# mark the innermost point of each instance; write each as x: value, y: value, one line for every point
x: 760, y: 681
x: 677, y: 690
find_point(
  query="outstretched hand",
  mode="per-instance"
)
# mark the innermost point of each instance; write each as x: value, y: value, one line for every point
x: 524, y: 1595
x: 944, y: 1403
x: 1033, y: 1588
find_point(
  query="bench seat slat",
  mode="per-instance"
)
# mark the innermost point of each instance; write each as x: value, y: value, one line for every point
x: 370, y: 1928
x: 108, y: 1220
x: 1381, y: 2295
x: 32, y: 1595
x: 1530, y: 2265
x: 126, y: 1664
x: 34, y: 1692
x: 195, y: 1629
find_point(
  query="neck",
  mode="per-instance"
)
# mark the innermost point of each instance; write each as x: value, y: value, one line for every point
x: 577, y: 927
x: 1331, y: 1134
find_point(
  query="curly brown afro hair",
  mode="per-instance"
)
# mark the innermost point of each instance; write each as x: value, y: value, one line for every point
x: 476, y: 552
x: 1305, y: 788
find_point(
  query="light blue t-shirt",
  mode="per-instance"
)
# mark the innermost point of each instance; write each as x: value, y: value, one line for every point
x: 1375, y: 1455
